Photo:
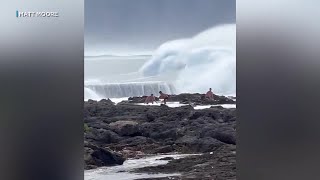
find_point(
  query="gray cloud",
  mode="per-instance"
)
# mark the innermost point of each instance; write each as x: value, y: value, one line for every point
x: 142, y: 25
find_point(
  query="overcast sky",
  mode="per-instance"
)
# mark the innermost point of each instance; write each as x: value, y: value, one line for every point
x: 140, y: 26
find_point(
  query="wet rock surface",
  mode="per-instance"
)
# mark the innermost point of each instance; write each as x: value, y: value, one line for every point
x: 98, y: 156
x: 219, y: 164
x: 127, y: 130
x: 187, y: 98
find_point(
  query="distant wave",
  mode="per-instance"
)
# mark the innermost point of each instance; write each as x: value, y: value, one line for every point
x: 128, y: 89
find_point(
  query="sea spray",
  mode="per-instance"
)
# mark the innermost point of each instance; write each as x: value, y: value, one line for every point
x: 205, y: 60
x: 90, y: 94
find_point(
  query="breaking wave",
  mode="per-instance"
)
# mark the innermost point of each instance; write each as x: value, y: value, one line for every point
x: 205, y: 60
x: 118, y: 90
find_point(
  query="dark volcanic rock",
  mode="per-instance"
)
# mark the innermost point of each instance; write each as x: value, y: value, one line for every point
x: 194, y: 144
x: 97, y: 156
x: 102, y: 136
x: 167, y: 158
x: 141, y: 99
x: 134, y: 130
x: 220, y: 164
x: 164, y: 149
x: 137, y: 140
x: 125, y: 128
x: 106, y: 101
x: 186, y: 98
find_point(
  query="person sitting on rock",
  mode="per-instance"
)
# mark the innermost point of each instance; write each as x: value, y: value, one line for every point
x: 150, y: 99
x: 163, y: 96
x: 209, y: 94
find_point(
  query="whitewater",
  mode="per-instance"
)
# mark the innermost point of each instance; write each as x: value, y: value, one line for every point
x: 189, y: 65
x: 122, y: 172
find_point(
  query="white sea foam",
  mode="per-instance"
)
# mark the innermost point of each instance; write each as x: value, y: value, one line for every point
x: 129, y: 89
x: 90, y: 94
x: 121, y: 172
x: 227, y: 106
x: 117, y: 100
x: 205, y: 60
x: 177, y: 104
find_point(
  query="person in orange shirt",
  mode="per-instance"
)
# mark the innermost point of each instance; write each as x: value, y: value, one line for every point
x: 209, y: 94
x: 150, y: 99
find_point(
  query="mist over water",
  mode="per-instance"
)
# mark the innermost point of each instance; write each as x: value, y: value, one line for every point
x: 205, y: 60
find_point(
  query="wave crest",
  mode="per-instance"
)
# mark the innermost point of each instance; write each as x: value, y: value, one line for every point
x: 205, y: 60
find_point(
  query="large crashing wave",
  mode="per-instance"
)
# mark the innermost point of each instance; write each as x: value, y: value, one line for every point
x: 203, y: 61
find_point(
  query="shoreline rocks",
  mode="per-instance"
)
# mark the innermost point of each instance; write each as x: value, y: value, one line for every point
x: 188, y: 98
x: 99, y: 156
x: 220, y: 164
x: 114, y: 132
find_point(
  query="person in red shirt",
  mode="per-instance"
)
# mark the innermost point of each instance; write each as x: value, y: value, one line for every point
x: 209, y: 94
x: 163, y: 96
x: 150, y: 99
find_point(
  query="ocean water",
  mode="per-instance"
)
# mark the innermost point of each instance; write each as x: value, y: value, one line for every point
x: 113, y: 69
x: 206, y: 60
x: 191, y: 65
x: 122, y: 172
x: 119, y: 76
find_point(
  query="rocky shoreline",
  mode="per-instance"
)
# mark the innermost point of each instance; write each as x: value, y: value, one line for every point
x: 219, y: 164
x: 186, y: 98
x: 113, y: 133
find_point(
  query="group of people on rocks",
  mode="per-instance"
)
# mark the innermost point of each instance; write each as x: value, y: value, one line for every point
x: 152, y: 98
x: 165, y: 97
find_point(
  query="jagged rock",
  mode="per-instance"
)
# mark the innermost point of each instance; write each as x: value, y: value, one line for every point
x: 195, y: 144
x: 125, y: 128
x: 221, y: 164
x: 133, y: 130
x: 103, y: 136
x: 106, y: 101
x: 164, y: 149
x: 166, y: 158
x: 97, y: 156
x: 187, y: 98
